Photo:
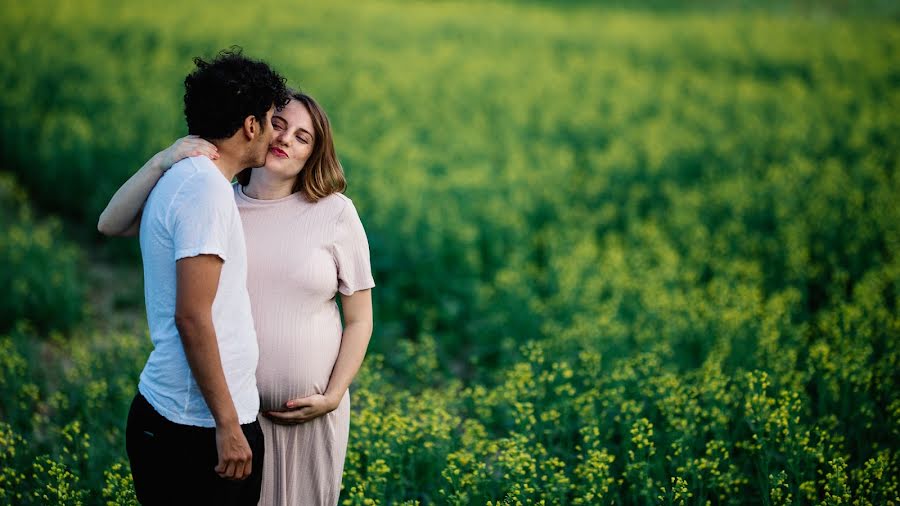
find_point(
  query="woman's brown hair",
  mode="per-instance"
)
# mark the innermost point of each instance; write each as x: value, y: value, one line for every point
x: 322, y: 174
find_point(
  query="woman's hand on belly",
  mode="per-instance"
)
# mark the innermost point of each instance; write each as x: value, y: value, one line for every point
x: 302, y: 410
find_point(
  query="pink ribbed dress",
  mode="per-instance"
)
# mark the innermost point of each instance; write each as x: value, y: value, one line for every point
x: 299, y: 256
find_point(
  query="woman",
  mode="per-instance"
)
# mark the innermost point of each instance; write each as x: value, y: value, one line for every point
x: 305, y: 243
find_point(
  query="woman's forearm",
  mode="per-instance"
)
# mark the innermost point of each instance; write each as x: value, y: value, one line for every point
x: 122, y: 214
x: 354, y: 343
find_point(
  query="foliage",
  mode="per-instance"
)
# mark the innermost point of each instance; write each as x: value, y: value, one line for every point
x: 623, y: 256
x: 41, y: 269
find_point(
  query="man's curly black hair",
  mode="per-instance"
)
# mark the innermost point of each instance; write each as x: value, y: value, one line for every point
x: 219, y: 94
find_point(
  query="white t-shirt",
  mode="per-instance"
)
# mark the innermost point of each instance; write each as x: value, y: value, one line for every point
x: 190, y: 212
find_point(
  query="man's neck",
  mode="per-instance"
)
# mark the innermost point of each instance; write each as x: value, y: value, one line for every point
x: 228, y: 166
x: 230, y: 161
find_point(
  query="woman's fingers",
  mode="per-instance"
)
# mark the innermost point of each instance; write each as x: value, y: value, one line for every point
x: 300, y: 403
x: 285, y: 418
x: 275, y: 417
x: 198, y: 147
x: 197, y: 141
x: 212, y: 155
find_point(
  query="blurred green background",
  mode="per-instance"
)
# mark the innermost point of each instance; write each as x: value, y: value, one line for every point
x: 626, y: 252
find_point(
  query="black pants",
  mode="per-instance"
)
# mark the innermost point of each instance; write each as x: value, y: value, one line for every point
x: 174, y: 464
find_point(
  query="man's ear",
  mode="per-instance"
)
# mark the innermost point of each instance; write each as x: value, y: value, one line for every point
x: 251, y: 127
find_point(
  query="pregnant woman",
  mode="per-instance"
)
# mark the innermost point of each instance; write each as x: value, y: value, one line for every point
x: 305, y: 244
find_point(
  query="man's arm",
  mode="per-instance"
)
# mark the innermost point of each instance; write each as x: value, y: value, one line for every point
x: 197, y: 282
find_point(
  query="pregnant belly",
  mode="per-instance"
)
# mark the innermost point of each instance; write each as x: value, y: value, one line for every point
x: 296, y: 364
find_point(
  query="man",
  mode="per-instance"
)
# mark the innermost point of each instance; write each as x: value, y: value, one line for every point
x: 192, y: 435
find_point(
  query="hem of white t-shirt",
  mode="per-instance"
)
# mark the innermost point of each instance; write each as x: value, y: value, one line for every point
x: 183, y: 420
x: 200, y: 250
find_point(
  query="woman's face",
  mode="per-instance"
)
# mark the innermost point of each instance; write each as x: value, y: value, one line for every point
x: 292, y: 140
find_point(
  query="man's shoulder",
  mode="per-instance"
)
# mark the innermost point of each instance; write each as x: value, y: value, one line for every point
x: 197, y: 178
x: 200, y: 168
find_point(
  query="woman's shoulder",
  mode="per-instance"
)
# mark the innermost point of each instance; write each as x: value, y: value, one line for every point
x: 335, y: 205
x: 337, y: 199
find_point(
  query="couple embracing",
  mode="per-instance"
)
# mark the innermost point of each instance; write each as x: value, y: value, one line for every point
x: 245, y: 396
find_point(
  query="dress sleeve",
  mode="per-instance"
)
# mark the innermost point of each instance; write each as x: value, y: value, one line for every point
x: 351, y: 253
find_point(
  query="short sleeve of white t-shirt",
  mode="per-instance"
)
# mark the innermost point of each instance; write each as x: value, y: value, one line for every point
x: 199, y: 220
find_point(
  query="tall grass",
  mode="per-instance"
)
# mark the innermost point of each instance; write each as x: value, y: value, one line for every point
x: 623, y: 256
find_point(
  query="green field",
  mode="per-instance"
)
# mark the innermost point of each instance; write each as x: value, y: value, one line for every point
x: 624, y: 255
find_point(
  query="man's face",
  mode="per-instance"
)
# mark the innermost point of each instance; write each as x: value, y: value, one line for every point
x: 259, y: 147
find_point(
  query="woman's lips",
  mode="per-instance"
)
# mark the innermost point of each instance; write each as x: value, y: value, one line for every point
x: 278, y: 152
